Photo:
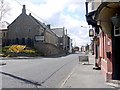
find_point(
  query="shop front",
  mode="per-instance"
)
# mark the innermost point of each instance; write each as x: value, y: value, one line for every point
x: 108, y: 19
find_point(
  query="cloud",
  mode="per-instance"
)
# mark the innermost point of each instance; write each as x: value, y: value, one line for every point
x: 15, y: 10
x: 72, y: 8
x: 75, y: 31
x: 59, y: 13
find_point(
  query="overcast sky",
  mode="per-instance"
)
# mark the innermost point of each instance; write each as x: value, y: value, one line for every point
x: 59, y: 13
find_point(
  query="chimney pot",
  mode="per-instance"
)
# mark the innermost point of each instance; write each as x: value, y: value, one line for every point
x: 48, y: 26
x: 29, y: 14
x: 24, y: 9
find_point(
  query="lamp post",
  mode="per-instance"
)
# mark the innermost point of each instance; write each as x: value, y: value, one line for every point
x: 94, y: 39
x: 65, y: 40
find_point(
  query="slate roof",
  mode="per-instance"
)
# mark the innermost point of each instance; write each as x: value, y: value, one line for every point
x: 42, y: 24
x: 37, y: 21
x: 58, y: 31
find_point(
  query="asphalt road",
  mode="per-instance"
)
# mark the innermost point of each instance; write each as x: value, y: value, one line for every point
x: 37, y: 72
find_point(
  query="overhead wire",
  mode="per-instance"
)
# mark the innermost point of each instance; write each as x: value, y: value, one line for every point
x: 31, y: 12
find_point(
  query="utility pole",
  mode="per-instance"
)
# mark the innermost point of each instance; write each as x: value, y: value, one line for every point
x: 66, y: 40
x: 63, y: 38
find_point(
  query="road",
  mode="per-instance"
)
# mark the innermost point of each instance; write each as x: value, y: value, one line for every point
x: 37, y: 72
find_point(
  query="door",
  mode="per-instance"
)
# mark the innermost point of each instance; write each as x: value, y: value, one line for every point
x: 116, y: 55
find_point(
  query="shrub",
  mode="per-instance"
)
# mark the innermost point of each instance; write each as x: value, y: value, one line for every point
x: 28, y: 51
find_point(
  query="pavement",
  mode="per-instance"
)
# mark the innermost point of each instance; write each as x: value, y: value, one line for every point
x: 83, y: 76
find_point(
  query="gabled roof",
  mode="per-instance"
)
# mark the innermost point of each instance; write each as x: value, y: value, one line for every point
x: 41, y: 24
x: 45, y: 27
x: 58, y: 31
x: 29, y: 17
x: 37, y: 21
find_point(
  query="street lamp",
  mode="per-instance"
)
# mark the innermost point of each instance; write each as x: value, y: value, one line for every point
x: 91, y: 33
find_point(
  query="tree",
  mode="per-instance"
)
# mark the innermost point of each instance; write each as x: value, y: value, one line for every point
x: 4, y: 9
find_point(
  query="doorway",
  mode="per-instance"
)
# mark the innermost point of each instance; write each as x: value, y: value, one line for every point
x: 116, y: 55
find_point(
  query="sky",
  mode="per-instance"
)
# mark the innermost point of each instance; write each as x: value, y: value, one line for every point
x: 58, y: 13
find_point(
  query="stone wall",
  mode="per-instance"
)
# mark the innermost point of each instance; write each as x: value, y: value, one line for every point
x: 50, y: 37
x: 48, y: 49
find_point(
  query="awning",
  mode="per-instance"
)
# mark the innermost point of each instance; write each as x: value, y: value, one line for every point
x: 104, y: 13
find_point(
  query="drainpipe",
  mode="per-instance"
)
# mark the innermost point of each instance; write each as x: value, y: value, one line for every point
x: 63, y: 38
x: 66, y: 41
x: 45, y: 35
x: 86, y: 4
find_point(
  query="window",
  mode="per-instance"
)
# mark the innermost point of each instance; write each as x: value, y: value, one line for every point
x: 4, y: 34
x: 93, y: 5
x: 29, y: 30
x: 42, y: 33
x: 116, y: 31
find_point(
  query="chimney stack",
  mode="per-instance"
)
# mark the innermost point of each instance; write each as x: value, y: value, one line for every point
x: 24, y: 9
x: 48, y: 26
x: 29, y: 14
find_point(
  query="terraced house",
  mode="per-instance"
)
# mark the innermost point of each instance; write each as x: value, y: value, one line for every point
x: 27, y: 30
x: 104, y: 17
x: 64, y: 40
